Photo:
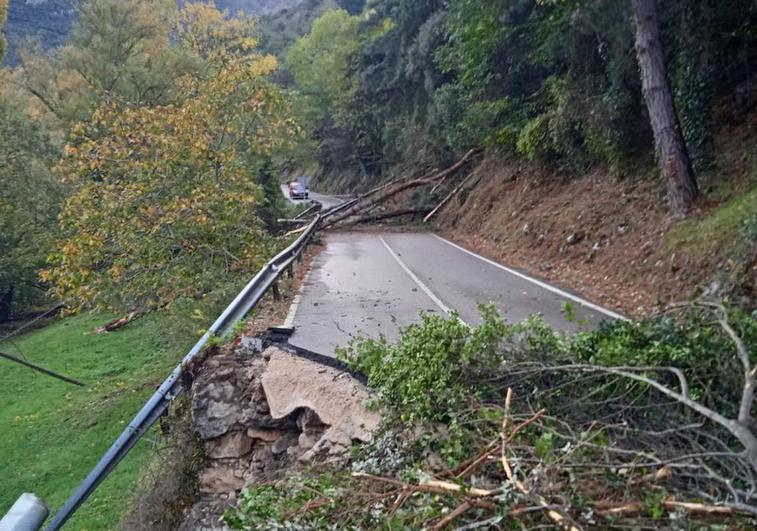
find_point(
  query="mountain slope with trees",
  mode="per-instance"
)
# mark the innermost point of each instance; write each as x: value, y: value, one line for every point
x: 631, y: 93
x: 50, y: 21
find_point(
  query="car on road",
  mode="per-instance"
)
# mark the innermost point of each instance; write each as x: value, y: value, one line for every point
x: 298, y: 191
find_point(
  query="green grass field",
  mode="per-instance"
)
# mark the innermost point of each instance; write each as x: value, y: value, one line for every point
x: 53, y: 433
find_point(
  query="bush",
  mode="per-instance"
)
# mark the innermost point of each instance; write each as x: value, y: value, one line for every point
x: 435, y: 366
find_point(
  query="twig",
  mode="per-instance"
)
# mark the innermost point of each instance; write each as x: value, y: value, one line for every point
x: 459, y: 510
x: 553, y: 514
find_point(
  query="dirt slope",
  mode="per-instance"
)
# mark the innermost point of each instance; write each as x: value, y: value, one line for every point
x: 611, y: 239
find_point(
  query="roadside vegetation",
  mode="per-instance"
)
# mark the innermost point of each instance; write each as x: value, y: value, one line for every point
x: 53, y: 433
x: 141, y: 156
x: 508, y: 426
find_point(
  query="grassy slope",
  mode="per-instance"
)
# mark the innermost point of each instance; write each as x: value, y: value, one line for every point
x: 53, y: 433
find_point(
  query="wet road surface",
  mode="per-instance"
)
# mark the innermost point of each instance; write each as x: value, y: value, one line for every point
x: 327, y: 201
x: 371, y: 284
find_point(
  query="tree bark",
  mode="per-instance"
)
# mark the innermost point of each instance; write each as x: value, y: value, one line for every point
x: 671, y: 150
x: 6, y: 300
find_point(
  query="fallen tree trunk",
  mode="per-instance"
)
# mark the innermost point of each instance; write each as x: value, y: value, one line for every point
x: 390, y: 215
x: 361, y: 206
x: 121, y: 321
x: 365, y: 203
x: 450, y: 196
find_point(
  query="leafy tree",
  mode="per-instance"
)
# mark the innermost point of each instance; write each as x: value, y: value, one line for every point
x: 117, y: 48
x: 213, y: 35
x: 164, y: 205
x: 323, y: 64
x: 29, y: 203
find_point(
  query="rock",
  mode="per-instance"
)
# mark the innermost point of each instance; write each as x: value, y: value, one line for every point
x: 280, y: 446
x: 306, y: 442
x: 334, y: 444
x: 227, y: 395
x: 205, y: 515
x: 220, y: 478
x: 265, y: 435
x: 236, y: 444
x: 250, y: 346
x: 574, y: 238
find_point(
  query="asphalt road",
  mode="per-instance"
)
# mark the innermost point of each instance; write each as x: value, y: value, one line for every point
x: 371, y: 284
x: 327, y: 201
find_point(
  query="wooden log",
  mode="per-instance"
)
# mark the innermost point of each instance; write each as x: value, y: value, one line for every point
x: 121, y: 321
x: 393, y: 214
x: 366, y: 202
x: 452, y: 194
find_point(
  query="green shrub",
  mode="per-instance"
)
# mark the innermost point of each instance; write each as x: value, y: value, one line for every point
x: 435, y: 366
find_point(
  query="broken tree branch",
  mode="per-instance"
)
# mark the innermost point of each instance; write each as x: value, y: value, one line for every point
x: 121, y: 321
x: 390, y: 215
x: 555, y: 515
x: 452, y: 194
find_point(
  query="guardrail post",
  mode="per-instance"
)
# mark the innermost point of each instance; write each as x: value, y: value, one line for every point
x: 276, y: 292
x: 290, y: 271
x: 27, y: 514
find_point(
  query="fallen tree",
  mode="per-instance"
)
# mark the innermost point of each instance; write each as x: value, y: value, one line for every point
x: 391, y: 215
x: 449, y: 196
x: 385, y: 192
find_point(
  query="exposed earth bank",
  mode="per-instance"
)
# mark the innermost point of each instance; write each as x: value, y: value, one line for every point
x: 610, y: 237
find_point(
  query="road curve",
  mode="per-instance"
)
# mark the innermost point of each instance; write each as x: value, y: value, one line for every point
x: 327, y: 201
x: 371, y: 284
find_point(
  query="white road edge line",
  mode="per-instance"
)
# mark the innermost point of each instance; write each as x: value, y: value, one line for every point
x: 421, y: 285
x: 539, y: 283
x: 289, y: 321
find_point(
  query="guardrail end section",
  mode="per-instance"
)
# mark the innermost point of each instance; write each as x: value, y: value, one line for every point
x: 27, y: 514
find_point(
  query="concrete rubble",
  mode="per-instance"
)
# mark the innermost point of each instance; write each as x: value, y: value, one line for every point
x: 264, y: 414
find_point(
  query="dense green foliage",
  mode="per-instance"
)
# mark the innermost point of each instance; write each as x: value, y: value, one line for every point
x: 441, y: 388
x: 434, y: 367
x: 165, y: 117
x: 439, y: 365
x: 554, y: 81
x: 29, y: 202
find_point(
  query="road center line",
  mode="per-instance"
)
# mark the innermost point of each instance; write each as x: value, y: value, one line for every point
x: 539, y: 283
x: 412, y: 275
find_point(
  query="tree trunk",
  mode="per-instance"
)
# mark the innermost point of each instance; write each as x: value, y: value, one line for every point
x: 671, y: 150
x: 6, y: 300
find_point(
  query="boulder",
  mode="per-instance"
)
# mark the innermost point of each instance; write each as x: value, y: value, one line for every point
x: 221, y: 478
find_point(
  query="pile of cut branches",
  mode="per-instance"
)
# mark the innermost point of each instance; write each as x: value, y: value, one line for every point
x: 647, y: 425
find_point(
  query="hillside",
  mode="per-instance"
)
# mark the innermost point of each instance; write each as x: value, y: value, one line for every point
x: 280, y: 29
x: 50, y: 20
x: 46, y: 20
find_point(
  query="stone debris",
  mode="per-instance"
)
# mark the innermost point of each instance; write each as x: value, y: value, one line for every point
x: 260, y: 415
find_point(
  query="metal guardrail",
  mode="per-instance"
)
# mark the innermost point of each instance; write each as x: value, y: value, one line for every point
x: 174, y: 385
